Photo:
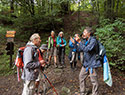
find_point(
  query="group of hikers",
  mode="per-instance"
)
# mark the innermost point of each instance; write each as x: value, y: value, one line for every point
x: 83, y: 48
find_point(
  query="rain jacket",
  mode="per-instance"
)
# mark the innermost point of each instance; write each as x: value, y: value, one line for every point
x: 89, y: 49
x: 59, y: 40
x: 31, y: 62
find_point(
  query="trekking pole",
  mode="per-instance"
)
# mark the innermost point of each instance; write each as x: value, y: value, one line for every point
x: 50, y: 84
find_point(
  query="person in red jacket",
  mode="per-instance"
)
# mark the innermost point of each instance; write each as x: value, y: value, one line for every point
x: 41, y: 51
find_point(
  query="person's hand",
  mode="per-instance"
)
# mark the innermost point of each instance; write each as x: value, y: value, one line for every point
x: 57, y: 45
x: 63, y: 45
x: 48, y: 50
x: 72, y: 40
x: 78, y: 39
x: 42, y: 62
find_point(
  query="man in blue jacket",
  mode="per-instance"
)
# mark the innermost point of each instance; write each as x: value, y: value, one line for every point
x: 90, y: 63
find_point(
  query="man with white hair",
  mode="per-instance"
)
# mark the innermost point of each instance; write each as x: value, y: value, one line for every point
x: 31, y: 64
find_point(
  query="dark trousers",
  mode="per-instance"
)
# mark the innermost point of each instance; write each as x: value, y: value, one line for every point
x: 61, y: 55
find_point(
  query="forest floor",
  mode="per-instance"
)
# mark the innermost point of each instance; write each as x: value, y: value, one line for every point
x: 66, y: 82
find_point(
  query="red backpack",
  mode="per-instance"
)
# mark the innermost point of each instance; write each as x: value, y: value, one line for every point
x: 19, y: 60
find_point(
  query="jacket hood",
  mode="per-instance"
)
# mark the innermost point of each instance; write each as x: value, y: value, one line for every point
x: 31, y: 44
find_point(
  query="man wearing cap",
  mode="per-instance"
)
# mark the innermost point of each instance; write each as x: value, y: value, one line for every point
x: 31, y: 64
x: 41, y: 51
x: 90, y: 64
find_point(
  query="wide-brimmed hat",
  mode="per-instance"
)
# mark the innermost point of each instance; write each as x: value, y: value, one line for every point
x: 44, y: 47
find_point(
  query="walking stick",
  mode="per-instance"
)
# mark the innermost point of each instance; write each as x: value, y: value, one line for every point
x: 50, y: 84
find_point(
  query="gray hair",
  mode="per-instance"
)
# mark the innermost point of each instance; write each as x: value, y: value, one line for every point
x: 34, y: 36
x: 52, y: 32
x: 76, y: 35
x: 89, y: 29
x: 61, y: 33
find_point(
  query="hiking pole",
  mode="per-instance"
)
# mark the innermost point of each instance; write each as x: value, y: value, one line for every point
x: 50, y: 83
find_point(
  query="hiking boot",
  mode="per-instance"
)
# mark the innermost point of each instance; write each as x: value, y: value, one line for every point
x: 60, y: 66
x: 55, y: 64
x: 75, y: 68
x: 40, y: 93
x: 64, y: 66
x: 84, y: 93
x: 72, y: 69
x: 77, y: 93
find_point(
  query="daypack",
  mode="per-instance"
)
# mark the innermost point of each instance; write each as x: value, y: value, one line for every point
x: 19, y: 58
x: 100, y: 51
x: 19, y: 61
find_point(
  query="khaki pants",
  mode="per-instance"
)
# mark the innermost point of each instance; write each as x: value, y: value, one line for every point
x: 82, y: 77
x: 29, y: 88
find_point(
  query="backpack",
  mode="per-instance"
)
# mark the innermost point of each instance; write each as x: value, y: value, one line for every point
x: 19, y: 61
x: 100, y: 51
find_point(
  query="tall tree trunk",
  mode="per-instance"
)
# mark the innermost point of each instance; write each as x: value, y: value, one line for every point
x: 51, y: 5
x: 117, y: 7
x: 113, y: 9
x: 109, y: 9
x: 105, y: 8
x: 78, y: 13
x: 32, y: 8
x: 43, y: 4
x: 12, y: 6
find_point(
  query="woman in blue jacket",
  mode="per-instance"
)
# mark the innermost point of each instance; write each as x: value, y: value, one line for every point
x: 61, y: 43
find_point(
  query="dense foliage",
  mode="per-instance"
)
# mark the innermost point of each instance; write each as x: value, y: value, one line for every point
x: 29, y: 16
x: 112, y: 35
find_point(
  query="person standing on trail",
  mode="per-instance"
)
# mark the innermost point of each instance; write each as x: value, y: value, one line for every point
x: 31, y: 64
x: 52, y: 48
x: 80, y: 51
x: 61, y: 43
x: 41, y: 51
x: 73, y: 55
x: 90, y: 63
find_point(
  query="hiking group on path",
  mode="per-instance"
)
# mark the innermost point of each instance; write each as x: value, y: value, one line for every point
x: 84, y: 48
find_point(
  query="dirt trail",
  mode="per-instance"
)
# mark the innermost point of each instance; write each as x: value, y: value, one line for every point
x: 66, y: 81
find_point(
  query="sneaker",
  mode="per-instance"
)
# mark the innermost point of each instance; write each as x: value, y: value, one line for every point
x: 75, y: 69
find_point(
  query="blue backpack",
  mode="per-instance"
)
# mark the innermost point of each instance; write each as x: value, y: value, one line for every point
x: 100, y: 51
